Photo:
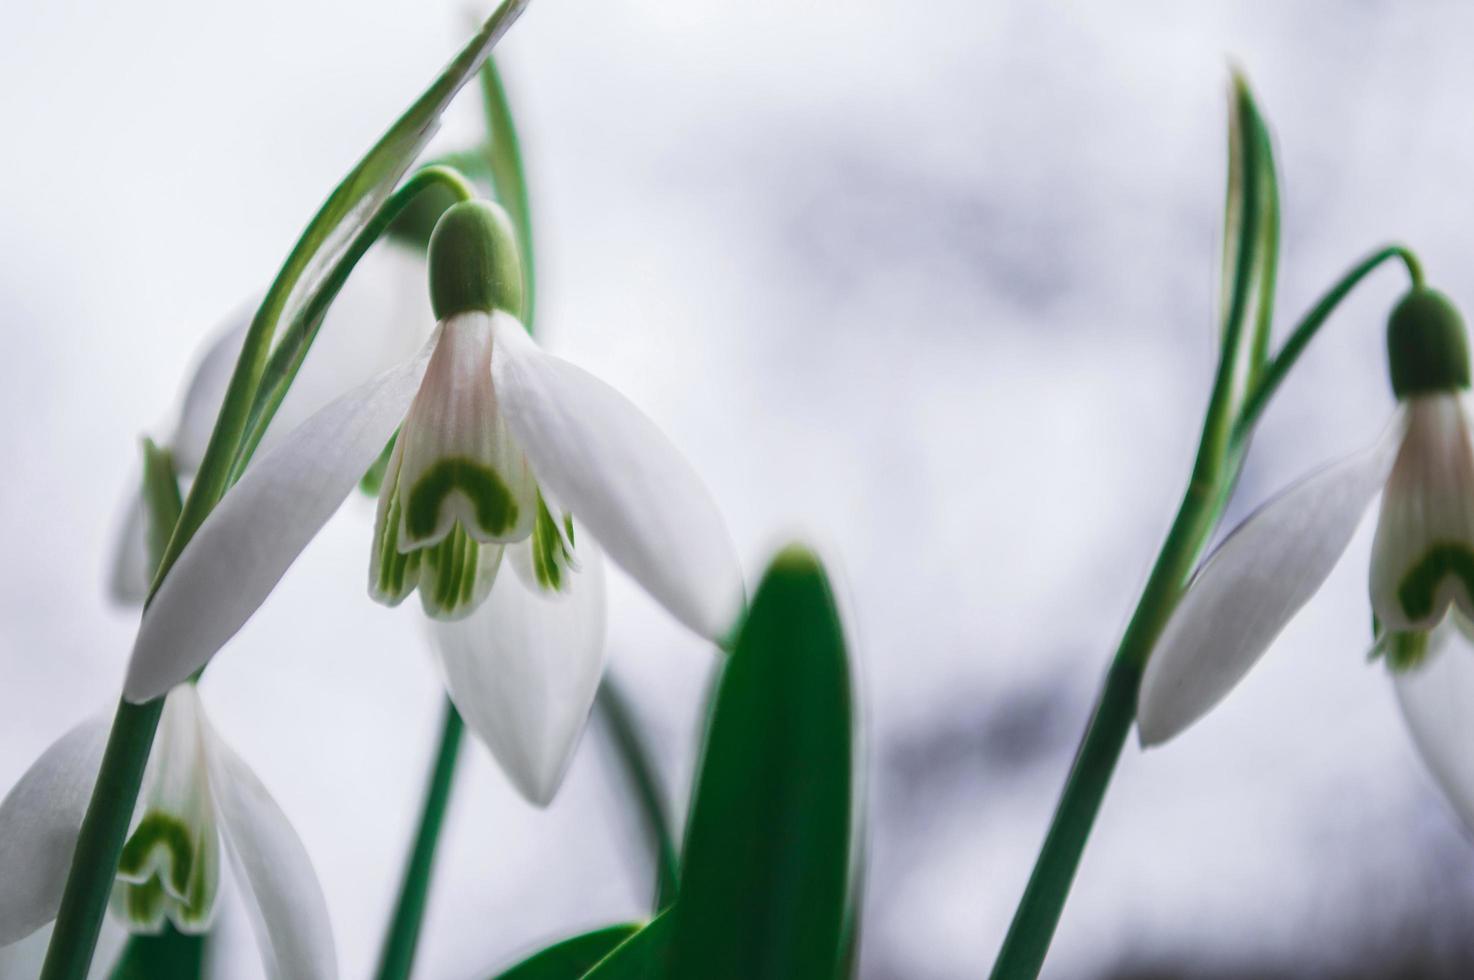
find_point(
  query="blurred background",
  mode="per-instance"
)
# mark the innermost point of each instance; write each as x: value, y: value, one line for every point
x: 930, y: 285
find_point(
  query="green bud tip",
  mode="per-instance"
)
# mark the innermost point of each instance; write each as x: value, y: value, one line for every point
x: 473, y: 261
x: 1427, y: 349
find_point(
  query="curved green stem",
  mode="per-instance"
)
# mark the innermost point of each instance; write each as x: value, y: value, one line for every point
x: 1304, y: 331
x: 504, y: 156
x: 645, y: 783
x: 286, y: 359
x: 398, y: 955
x: 1038, y: 912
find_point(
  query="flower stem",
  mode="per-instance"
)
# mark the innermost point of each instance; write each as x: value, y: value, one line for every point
x: 398, y: 954
x: 1038, y: 912
x: 635, y: 757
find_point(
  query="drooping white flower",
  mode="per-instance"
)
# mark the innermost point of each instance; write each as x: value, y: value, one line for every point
x: 1422, y: 568
x: 198, y: 798
x: 380, y: 317
x: 500, y: 449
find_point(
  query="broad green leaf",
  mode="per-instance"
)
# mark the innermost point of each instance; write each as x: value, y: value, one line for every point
x: 171, y: 955
x: 767, y: 863
x: 643, y: 956
x: 571, y: 958
x: 1250, y: 240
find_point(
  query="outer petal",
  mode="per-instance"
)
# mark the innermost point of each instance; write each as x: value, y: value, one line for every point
x: 273, y: 871
x: 380, y: 318
x: 206, y: 391
x: 1249, y: 588
x: 39, y: 820
x: 263, y: 523
x: 23, y: 960
x: 1423, y: 555
x: 129, y: 580
x: 1437, y: 699
x: 612, y: 467
x: 524, y: 667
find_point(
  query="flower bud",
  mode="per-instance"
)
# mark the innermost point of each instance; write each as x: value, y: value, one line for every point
x: 1427, y: 350
x: 473, y: 261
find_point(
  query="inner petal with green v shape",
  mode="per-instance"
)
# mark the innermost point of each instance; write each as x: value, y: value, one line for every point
x: 167, y: 869
x: 1418, y: 593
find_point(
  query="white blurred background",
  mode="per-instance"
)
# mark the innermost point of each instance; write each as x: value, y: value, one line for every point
x: 931, y: 285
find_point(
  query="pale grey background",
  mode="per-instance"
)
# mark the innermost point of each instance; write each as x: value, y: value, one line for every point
x: 929, y: 284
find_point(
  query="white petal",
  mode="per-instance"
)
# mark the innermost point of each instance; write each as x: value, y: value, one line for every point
x: 23, y: 960
x: 174, y: 851
x: 524, y: 667
x: 39, y: 820
x: 1252, y: 586
x: 1427, y: 515
x: 206, y: 391
x: 248, y: 542
x: 273, y: 871
x: 1437, y: 699
x: 609, y: 464
x: 460, y: 463
x: 379, y: 319
x: 128, y: 584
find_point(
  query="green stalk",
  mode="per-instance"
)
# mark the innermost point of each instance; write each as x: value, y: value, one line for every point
x: 504, y: 156
x: 398, y: 955
x: 1217, y: 467
x: 645, y: 783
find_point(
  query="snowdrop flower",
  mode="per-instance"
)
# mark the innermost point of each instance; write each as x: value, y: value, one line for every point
x: 1422, y: 568
x: 379, y: 318
x: 198, y: 799
x: 504, y: 455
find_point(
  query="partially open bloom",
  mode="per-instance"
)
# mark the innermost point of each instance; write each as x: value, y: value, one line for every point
x: 198, y: 799
x: 504, y: 455
x: 378, y: 319
x: 1422, y: 572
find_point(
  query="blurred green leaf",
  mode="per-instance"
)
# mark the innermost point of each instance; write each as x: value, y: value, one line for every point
x: 571, y: 958
x: 171, y: 955
x: 643, y: 956
x: 767, y: 864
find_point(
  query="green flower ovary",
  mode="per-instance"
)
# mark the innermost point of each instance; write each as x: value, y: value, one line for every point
x: 1419, y: 589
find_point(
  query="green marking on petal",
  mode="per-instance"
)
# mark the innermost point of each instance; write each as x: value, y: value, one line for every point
x: 1419, y: 587
x: 496, y: 511
x: 1403, y: 651
x: 448, y: 574
x: 159, y: 830
x: 164, y: 870
x: 552, y: 555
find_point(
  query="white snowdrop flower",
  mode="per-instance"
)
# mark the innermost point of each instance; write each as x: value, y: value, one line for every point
x: 197, y: 799
x: 1422, y: 567
x: 504, y: 455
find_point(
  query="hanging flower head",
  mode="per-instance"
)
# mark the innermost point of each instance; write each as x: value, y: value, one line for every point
x: 198, y: 799
x: 1422, y: 569
x: 504, y: 455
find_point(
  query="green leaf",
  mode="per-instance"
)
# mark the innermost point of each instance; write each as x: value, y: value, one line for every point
x: 571, y: 958
x: 643, y: 956
x: 767, y: 864
x: 1250, y: 240
x: 171, y: 955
